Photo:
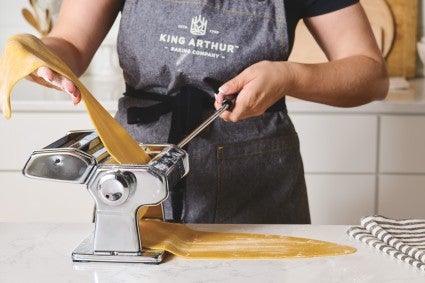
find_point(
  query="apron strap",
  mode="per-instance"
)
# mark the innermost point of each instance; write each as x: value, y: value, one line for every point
x: 187, y: 107
x: 149, y: 114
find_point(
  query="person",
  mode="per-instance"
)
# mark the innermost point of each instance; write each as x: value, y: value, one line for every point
x: 180, y: 59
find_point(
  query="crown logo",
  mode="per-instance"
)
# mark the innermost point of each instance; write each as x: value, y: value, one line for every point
x: 198, y: 26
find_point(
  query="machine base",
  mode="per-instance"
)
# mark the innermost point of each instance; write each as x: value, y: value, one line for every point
x: 85, y: 252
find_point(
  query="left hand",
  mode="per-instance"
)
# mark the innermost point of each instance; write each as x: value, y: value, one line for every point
x: 259, y: 86
x: 49, y: 78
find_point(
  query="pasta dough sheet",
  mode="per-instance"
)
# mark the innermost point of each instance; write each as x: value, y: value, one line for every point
x: 188, y: 243
x: 25, y: 53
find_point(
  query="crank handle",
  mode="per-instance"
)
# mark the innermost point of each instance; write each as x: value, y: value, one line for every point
x: 227, y: 105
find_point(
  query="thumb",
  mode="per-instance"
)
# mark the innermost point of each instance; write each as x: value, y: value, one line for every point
x: 234, y: 85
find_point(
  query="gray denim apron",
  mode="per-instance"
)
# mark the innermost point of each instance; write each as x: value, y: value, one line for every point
x: 245, y: 172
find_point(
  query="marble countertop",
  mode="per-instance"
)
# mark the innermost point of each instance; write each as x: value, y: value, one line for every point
x: 37, y: 252
x: 29, y: 97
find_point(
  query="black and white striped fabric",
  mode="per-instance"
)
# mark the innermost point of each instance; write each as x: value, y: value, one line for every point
x: 402, y: 239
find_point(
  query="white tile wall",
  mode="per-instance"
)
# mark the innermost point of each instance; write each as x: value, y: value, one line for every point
x: 340, y: 199
x: 341, y: 140
x: 29, y: 200
x: 402, y: 196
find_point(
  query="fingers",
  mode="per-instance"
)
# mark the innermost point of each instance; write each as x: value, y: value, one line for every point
x: 45, y: 73
x: 258, y: 86
x: 70, y: 88
x: 235, y: 114
x: 228, y: 91
x: 59, y: 82
x: 236, y: 84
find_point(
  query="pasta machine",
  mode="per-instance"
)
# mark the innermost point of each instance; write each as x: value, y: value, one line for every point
x: 118, y: 190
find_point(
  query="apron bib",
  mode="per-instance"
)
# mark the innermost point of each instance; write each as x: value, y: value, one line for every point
x: 165, y: 44
x: 245, y: 172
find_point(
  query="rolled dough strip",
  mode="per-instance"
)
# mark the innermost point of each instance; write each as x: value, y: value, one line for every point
x: 188, y: 243
x: 25, y: 53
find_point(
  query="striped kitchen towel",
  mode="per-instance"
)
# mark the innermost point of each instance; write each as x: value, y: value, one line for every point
x: 402, y: 239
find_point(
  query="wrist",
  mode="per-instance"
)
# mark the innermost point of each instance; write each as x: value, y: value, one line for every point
x: 288, y: 77
x: 67, y: 52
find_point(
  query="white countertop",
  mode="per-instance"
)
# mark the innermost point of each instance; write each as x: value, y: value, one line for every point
x: 29, y: 97
x: 42, y: 253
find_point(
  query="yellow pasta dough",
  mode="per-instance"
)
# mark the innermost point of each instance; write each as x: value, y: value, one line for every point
x: 25, y: 53
x: 188, y: 243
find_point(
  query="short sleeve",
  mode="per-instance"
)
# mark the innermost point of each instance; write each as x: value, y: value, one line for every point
x: 319, y: 7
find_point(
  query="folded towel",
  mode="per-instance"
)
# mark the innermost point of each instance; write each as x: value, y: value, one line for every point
x: 402, y: 239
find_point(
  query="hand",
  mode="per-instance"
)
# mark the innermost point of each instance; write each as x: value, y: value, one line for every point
x: 49, y: 78
x: 259, y: 86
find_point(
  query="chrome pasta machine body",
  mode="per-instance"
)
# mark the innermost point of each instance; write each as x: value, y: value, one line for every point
x: 118, y: 190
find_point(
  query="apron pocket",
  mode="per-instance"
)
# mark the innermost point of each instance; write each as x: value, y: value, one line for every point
x: 266, y: 178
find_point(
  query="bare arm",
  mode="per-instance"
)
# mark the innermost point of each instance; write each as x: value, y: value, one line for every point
x: 355, y: 75
x: 79, y: 30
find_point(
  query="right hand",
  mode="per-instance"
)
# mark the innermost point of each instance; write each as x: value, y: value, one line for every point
x: 50, y: 78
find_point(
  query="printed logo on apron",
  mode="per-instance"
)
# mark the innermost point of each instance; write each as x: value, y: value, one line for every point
x: 192, y: 44
x: 164, y: 45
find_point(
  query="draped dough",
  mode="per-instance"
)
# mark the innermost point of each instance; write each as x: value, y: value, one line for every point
x: 25, y: 53
x: 188, y: 243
